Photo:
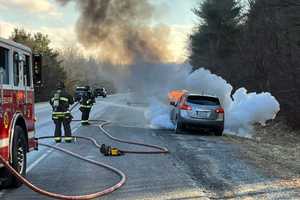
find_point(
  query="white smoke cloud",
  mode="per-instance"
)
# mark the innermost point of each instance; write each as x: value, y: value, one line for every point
x: 242, y: 110
x: 159, y: 114
x: 249, y: 108
x: 203, y: 82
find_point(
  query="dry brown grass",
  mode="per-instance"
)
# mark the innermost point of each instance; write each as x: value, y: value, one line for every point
x: 274, y: 148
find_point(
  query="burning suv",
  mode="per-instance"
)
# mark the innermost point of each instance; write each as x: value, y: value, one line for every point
x: 198, y: 111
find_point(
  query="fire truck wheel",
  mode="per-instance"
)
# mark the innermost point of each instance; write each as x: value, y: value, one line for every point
x: 19, y: 150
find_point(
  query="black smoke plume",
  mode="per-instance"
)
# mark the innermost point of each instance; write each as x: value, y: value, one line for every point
x: 120, y: 31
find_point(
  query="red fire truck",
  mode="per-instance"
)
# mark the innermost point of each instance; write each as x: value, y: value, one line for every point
x: 19, y: 70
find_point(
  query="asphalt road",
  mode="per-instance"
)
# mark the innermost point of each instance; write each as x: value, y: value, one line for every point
x: 198, y: 167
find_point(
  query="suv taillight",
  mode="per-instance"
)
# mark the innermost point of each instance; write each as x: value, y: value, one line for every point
x: 185, y: 107
x: 219, y: 110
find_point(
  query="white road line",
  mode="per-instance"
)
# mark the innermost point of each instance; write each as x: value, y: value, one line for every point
x: 40, y: 159
x: 35, y: 163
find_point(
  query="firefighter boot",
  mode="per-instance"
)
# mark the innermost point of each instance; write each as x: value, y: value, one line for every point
x: 68, y: 139
x: 57, y: 139
x: 85, y: 122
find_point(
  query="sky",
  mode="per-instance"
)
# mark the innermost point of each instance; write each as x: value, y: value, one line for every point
x: 58, y: 22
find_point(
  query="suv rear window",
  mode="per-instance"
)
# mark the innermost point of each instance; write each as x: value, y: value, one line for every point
x: 202, y: 100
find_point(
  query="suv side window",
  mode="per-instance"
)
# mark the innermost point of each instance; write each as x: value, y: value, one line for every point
x: 4, y: 64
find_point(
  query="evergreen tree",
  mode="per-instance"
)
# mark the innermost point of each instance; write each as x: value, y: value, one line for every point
x: 214, y: 41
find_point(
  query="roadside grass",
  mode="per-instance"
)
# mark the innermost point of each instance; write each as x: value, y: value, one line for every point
x: 274, y: 148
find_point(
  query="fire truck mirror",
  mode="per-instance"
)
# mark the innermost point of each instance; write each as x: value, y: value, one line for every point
x: 37, y: 69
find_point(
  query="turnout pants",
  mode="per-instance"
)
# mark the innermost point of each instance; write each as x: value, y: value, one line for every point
x: 67, y: 127
x: 85, y: 115
x: 65, y: 120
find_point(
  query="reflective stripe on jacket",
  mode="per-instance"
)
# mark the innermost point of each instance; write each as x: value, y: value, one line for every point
x: 57, y: 115
x: 85, y: 106
x: 61, y: 99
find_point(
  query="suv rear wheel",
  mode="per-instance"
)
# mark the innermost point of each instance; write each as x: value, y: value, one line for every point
x: 219, y: 131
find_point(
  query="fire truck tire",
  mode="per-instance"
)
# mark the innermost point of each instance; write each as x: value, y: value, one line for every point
x: 19, y: 159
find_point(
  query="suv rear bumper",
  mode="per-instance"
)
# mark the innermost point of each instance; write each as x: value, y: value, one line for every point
x: 202, y: 123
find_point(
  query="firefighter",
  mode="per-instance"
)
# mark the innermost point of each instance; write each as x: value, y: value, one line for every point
x: 60, y: 102
x: 86, y: 103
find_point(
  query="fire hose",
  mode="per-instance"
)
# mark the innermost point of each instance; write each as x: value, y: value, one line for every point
x: 64, y: 197
x: 109, y: 190
x: 74, y: 106
x: 160, y: 149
